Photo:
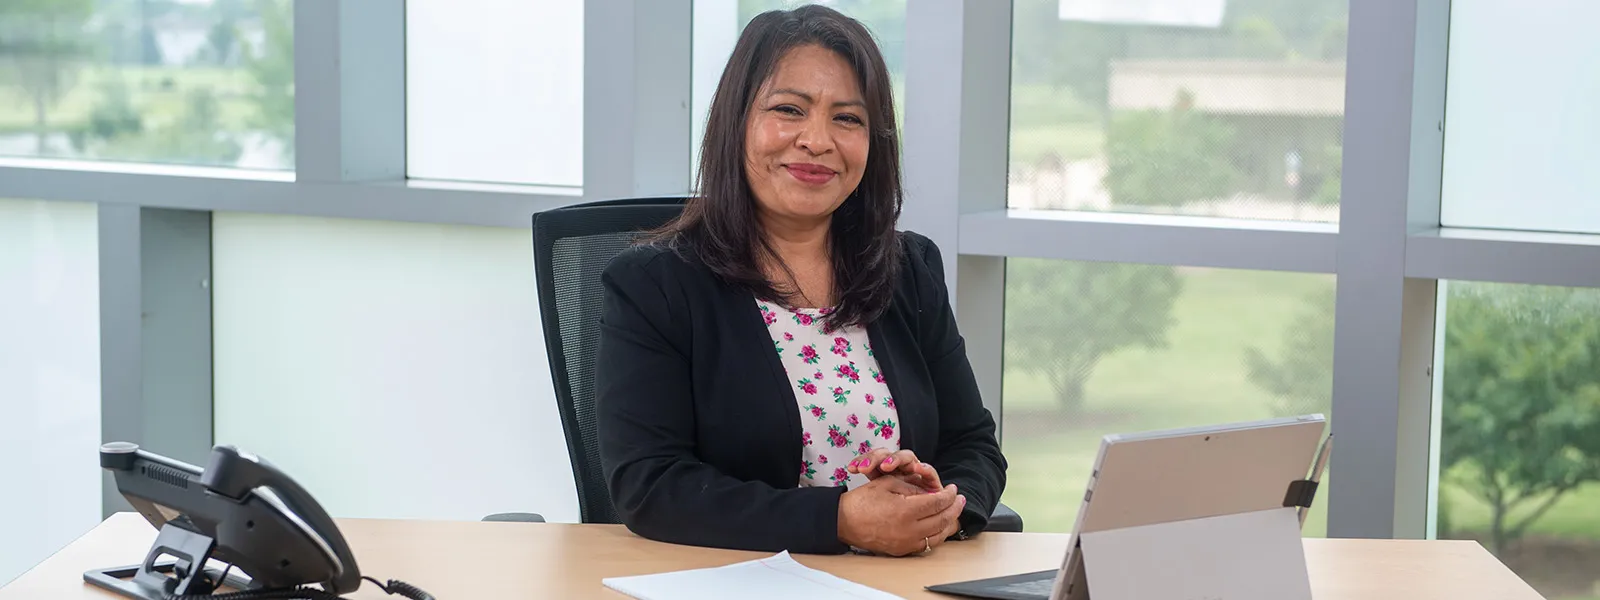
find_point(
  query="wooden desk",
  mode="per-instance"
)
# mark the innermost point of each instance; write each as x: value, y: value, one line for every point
x: 472, y: 560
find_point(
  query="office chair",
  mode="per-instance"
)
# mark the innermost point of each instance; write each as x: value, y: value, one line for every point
x: 571, y: 247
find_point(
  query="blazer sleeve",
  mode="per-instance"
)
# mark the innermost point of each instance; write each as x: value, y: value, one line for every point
x: 968, y: 454
x: 647, y: 430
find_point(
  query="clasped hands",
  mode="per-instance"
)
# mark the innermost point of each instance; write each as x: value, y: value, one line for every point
x: 903, y: 510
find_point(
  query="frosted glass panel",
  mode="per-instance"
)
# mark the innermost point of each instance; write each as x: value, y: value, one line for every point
x: 1522, y: 110
x: 49, y: 378
x: 494, y: 90
x: 396, y: 369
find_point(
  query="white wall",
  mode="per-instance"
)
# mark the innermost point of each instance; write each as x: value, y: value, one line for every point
x: 397, y: 370
x: 49, y: 378
x: 1522, y: 116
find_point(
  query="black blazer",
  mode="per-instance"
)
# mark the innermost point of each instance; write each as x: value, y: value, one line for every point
x: 700, y: 430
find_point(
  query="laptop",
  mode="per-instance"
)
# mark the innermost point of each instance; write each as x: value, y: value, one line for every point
x: 1175, y: 475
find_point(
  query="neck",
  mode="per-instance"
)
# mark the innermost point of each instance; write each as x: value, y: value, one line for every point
x: 798, y: 242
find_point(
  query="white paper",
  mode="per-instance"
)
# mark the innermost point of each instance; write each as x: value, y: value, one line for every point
x: 1249, y: 556
x: 775, y: 578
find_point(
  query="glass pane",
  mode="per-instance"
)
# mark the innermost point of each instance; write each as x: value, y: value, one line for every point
x: 49, y: 377
x: 1098, y: 348
x: 406, y: 340
x: 204, y: 82
x: 718, y: 23
x: 1191, y: 107
x: 1519, y: 432
x: 1521, y: 97
x: 494, y: 91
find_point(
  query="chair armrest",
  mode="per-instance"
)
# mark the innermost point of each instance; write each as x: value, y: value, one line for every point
x: 1004, y: 519
x: 515, y: 517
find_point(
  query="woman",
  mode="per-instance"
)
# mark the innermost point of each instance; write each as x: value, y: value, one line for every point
x: 779, y: 369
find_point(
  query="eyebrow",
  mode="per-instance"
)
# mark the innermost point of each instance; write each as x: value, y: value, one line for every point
x: 809, y: 98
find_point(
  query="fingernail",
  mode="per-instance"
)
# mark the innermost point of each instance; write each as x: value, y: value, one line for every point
x: 888, y: 461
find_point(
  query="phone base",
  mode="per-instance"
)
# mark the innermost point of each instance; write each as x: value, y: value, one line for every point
x: 186, y: 575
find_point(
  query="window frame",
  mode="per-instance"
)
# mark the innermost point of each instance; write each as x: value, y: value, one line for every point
x: 1388, y: 251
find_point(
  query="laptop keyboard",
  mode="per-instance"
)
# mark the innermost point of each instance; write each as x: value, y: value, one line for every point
x: 1037, y: 587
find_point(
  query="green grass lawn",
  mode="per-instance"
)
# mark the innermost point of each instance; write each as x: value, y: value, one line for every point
x: 1576, y: 514
x: 1199, y: 378
x: 157, y: 93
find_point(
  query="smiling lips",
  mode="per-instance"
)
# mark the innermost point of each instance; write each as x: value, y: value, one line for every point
x: 810, y: 173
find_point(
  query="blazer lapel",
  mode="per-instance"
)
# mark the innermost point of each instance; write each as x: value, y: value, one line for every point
x: 908, y: 400
x: 755, y: 339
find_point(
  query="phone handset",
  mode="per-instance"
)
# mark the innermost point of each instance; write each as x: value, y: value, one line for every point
x: 234, y: 474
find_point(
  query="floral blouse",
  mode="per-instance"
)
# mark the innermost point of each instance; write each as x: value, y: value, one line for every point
x: 845, y: 407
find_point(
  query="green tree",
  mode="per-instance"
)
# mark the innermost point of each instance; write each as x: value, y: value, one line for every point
x: 1166, y: 158
x: 44, y: 45
x: 1062, y: 317
x: 1521, y: 418
x: 272, y: 68
x: 1301, y: 379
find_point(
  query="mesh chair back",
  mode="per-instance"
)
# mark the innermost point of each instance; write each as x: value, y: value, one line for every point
x: 571, y: 247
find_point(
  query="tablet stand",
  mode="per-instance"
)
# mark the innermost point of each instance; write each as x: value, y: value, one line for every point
x: 1255, y: 555
x: 187, y: 574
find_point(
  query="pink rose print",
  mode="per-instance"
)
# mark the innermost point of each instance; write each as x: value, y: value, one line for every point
x: 841, y: 346
x: 876, y: 376
x: 805, y: 438
x: 809, y: 471
x: 768, y: 316
x: 885, y: 427
x: 825, y: 311
x: 853, y: 421
x: 839, y: 394
x: 822, y: 459
x: 866, y: 446
x: 837, y: 437
x: 807, y: 386
x: 818, y: 375
x: 868, y: 398
x: 803, y: 319
x: 888, y: 401
x: 840, y: 476
x: 817, y: 411
x: 848, y: 372
x: 788, y: 337
x: 809, y: 353
x: 869, y: 349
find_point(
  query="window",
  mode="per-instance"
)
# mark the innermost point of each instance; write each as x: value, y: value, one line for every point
x: 1519, y: 430
x: 1194, y: 107
x: 1099, y: 348
x: 204, y: 82
x: 718, y: 23
x: 1521, y: 114
x: 494, y: 91
x: 49, y: 377
x: 417, y: 345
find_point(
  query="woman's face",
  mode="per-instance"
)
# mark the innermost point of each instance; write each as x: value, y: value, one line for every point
x: 807, y: 136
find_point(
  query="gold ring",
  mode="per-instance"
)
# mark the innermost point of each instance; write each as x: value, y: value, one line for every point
x: 926, y: 547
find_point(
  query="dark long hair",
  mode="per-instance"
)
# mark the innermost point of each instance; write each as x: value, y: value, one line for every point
x: 720, y: 224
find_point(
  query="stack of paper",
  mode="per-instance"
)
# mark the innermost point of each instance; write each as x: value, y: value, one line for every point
x: 775, y: 578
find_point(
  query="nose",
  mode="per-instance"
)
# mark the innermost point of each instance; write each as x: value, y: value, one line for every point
x: 814, y: 137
